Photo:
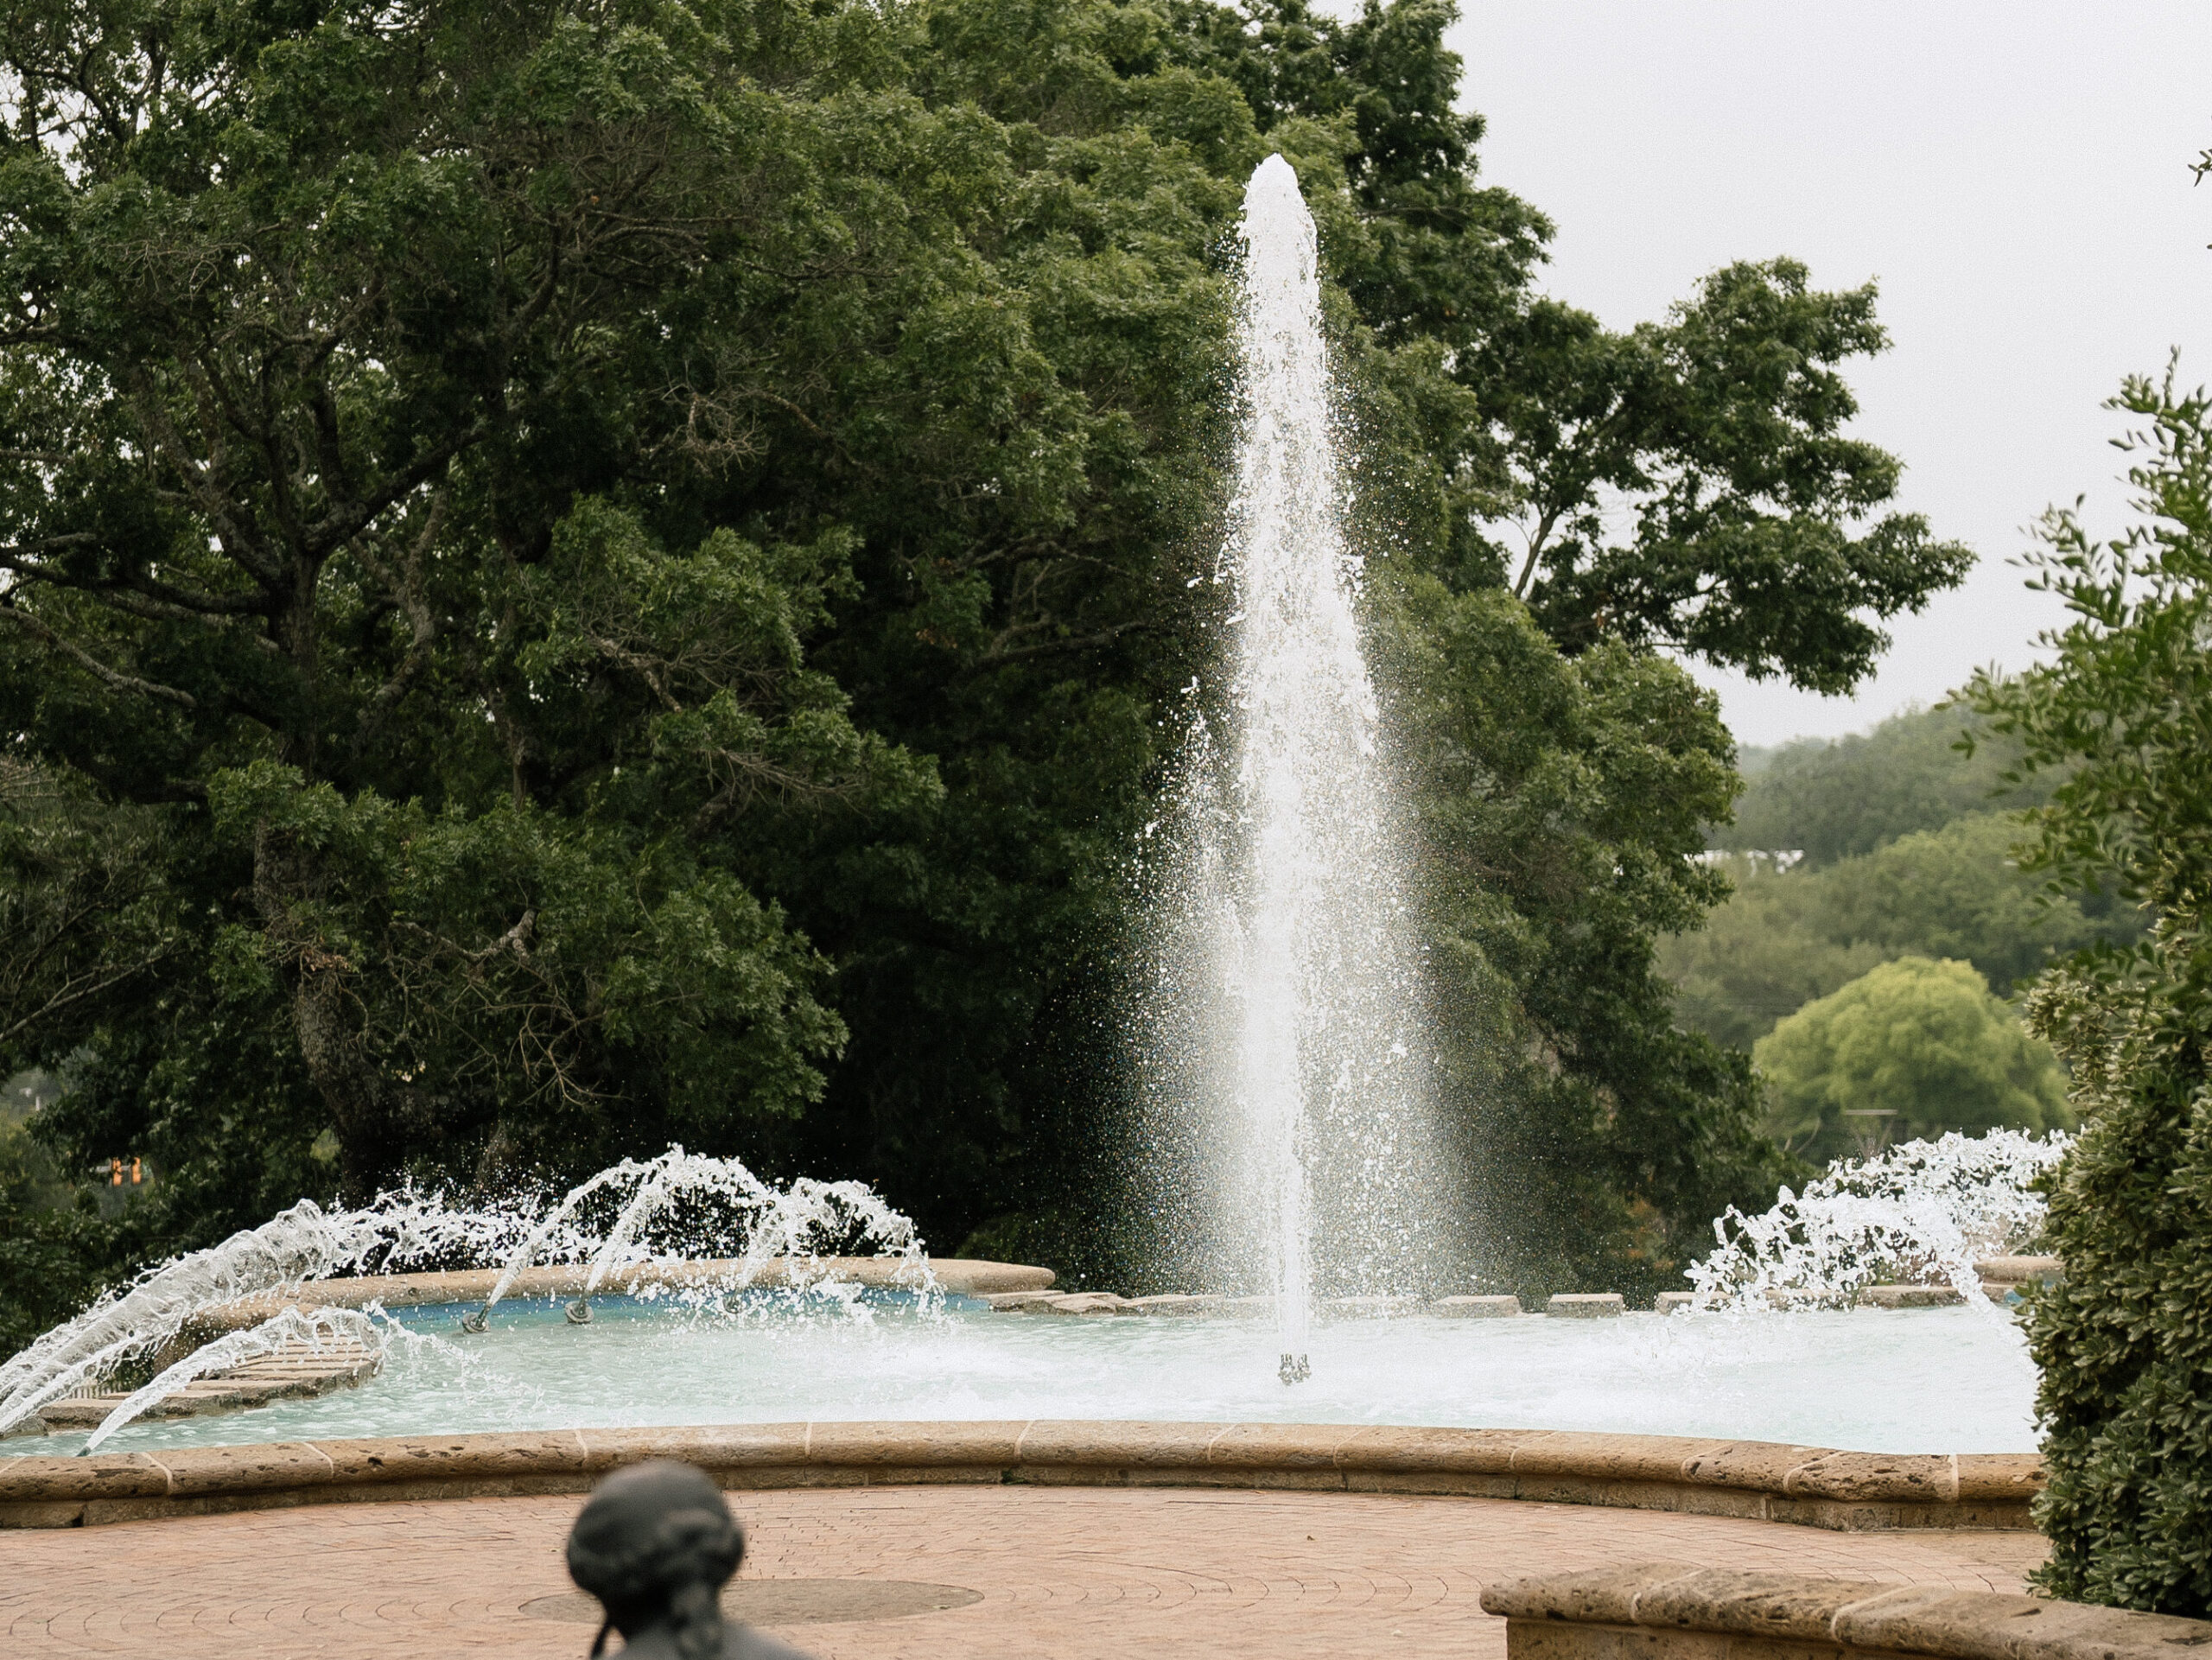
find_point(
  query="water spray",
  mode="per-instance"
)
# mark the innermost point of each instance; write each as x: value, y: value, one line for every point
x: 1285, y: 918
x: 163, y: 1310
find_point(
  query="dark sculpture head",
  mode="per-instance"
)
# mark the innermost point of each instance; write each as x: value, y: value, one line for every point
x: 656, y: 1543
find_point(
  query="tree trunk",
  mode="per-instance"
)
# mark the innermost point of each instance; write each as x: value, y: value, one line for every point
x: 366, y: 1109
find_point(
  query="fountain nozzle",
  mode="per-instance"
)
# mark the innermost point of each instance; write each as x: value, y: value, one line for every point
x: 579, y: 1311
x: 1295, y: 1369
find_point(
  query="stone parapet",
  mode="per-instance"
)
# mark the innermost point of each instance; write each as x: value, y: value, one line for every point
x: 1811, y: 1485
x: 1671, y: 1611
x: 1477, y: 1308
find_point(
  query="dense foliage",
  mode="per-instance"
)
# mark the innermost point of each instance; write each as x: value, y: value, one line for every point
x: 1831, y: 800
x: 2123, y: 714
x: 1921, y: 1041
x: 589, y: 573
x: 1849, y: 854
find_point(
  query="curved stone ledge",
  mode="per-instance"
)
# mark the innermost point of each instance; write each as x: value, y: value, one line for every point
x: 1814, y: 1487
x: 1671, y: 1611
x: 968, y: 1278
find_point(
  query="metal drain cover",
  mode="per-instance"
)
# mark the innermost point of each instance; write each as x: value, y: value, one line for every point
x: 792, y: 1602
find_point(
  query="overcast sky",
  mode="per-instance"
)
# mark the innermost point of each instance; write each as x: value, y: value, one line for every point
x: 2015, y: 176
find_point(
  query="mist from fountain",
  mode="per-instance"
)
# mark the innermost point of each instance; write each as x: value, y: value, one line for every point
x: 1283, y: 1019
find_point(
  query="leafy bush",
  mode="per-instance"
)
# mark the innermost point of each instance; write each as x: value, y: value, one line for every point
x: 1922, y: 1041
x: 2123, y: 712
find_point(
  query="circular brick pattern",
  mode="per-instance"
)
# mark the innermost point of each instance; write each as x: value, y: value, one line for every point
x: 1068, y: 1572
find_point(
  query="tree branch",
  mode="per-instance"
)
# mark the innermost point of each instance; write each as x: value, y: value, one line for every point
x: 114, y: 679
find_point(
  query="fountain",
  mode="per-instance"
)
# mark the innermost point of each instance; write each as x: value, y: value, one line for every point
x: 1281, y: 1032
x: 1279, y: 1041
x: 269, y: 1272
x: 1931, y: 1210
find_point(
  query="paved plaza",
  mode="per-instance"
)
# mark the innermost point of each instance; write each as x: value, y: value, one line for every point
x: 907, y: 1574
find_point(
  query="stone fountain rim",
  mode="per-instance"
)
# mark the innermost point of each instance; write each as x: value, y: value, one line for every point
x: 965, y: 1276
x: 1814, y: 1487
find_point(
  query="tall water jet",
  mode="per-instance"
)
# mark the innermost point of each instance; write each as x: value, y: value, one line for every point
x: 1286, y: 998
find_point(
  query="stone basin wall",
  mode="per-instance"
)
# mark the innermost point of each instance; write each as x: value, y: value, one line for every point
x: 1809, y: 1485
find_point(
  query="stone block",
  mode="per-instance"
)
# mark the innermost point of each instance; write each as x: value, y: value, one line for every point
x: 2020, y: 1271
x: 1668, y: 1610
x: 37, y: 1478
x: 1112, y: 1444
x: 916, y: 1446
x: 1015, y: 1301
x: 1370, y: 1308
x: 1892, y: 1479
x: 1595, y: 1594
x: 267, y: 1467
x: 1668, y: 1301
x: 982, y: 1279
x: 1278, y: 1447
x: 1909, y: 1297
x: 498, y: 1456
x: 1476, y: 1308
x: 1793, y: 1606
x: 1587, y: 1304
x: 712, y: 1447
x: 1762, y: 1466
x: 1937, y: 1620
x: 1172, y: 1303
x: 1091, y: 1303
x: 2012, y: 1477
x: 1398, y: 1449
x: 1597, y: 1455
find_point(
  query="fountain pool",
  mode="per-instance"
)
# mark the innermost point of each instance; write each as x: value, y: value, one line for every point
x: 1937, y: 1380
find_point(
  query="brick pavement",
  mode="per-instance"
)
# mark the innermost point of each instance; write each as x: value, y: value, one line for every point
x: 1062, y: 1572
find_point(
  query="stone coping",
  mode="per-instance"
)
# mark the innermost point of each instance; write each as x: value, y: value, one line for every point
x: 1767, y: 1480
x: 1672, y: 1611
x: 967, y: 1276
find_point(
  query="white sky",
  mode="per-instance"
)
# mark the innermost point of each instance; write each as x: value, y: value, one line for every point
x: 2016, y: 175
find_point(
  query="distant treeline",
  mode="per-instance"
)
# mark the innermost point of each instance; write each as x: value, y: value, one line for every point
x: 1908, y: 836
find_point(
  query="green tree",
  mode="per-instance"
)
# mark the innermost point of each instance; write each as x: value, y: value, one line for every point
x: 320, y: 334
x: 1561, y: 797
x: 1922, y: 1041
x: 1957, y: 891
x: 2120, y: 720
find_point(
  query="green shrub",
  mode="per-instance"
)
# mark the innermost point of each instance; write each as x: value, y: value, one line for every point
x: 2124, y: 710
